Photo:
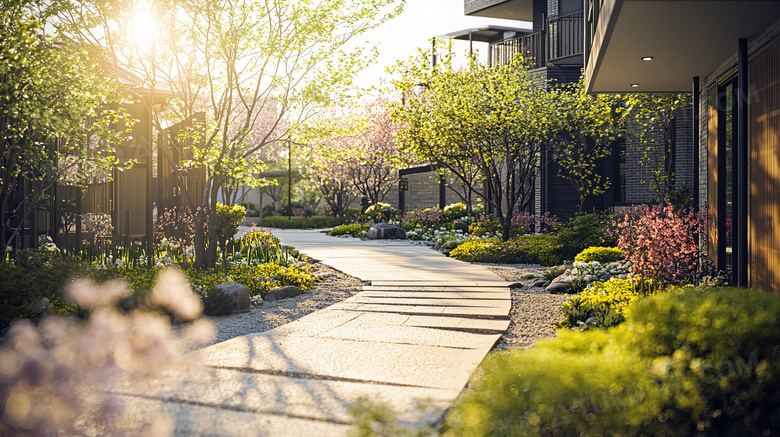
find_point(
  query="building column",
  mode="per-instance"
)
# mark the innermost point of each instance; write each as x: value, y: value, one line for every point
x: 741, y: 195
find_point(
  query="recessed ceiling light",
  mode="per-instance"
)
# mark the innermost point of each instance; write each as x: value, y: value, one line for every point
x: 634, y: 85
x: 647, y: 58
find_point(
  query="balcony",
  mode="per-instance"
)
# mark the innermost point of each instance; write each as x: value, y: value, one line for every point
x: 561, y: 41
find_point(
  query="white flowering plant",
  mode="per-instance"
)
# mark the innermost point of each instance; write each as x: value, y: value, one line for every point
x: 588, y: 273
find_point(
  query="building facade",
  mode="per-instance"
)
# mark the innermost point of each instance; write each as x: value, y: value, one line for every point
x: 728, y: 54
x: 556, y: 47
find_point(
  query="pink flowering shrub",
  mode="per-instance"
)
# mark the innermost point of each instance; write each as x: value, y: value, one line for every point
x: 177, y: 225
x: 98, y: 225
x: 58, y: 378
x: 527, y: 222
x: 659, y: 241
x: 428, y: 217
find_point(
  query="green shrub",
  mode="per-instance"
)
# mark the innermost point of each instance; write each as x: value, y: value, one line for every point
x: 687, y: 362
x: 217, y: 303
x: 534, y: 249
x: 531, y: 249
x: 486, y: 228
x: 582, y: 231
x: 600, y: 254
x: 355, y: 229
x: 313, y: 222
x: 488, y: 250
x: 717, y: 352
x: 453, y: 211
x: 33, y: 276
x: 605, y: 301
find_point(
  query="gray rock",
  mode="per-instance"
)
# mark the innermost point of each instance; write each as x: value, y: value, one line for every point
x: 540, y: 283
x: 590, y: 321
x: 560, y: 284
x: 381, y: 231
x: 239, y: 294
x: 285, y: 292
x: 516, y: 285
x: 41, y: 305
x: 460, y: 226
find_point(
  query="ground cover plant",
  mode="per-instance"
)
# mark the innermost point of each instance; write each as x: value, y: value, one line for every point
x: 312, y: 222
x: 686, y: 362
x: 32, y: 282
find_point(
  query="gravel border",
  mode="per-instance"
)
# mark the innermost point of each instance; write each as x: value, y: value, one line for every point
x: 533, y: 315
x: 274, y: 314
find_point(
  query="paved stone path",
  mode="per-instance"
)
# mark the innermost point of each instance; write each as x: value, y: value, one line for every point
x: 416, y: 332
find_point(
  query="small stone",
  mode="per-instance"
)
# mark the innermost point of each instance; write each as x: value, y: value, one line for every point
x: 590, y: 320
x: 560, y: 284
x: 302, y: 263
x: 516, y: 285
x: 540, y: 283
x: 285, y: 292
x: 240, y: 295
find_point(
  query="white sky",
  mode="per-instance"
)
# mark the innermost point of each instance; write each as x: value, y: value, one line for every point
x: 398, y: 39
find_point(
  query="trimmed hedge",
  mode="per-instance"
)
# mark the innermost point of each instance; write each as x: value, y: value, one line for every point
x: 687, y: 362
x: 601, y: 254
x: 530, y: 249
x: 313, y: 222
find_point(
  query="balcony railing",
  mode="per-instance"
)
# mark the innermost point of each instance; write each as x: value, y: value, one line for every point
x: 562, y: 37
x: 565, y: 36
x: 530, y: 46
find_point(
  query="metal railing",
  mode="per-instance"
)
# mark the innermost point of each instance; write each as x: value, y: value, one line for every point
x: 530, y: 46
x: 563, y: 37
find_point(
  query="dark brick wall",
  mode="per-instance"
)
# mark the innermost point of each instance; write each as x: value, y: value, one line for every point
x: 542, y: 76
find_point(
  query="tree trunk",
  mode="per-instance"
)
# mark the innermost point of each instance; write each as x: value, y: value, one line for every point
x: 200, y: 220
x: 213, y: 238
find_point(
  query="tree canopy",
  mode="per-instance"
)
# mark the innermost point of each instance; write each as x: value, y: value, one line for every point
x: 61, y: 115
x: 258, y: 70
x: 485, y: 124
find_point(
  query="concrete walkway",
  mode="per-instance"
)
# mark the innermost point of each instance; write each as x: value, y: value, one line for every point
x: 414, y: 334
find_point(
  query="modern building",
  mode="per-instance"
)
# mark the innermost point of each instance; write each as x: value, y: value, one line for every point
x: 555, y: 46
x: 728, y: 54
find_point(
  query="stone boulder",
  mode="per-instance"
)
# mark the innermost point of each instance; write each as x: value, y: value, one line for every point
x: 285, y: 292
x: 381, y: 231
x: 561, y: 284
x: 239, y: 294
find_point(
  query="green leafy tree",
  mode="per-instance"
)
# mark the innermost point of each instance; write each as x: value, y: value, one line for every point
x: 589, y: 125
x: 61, y: 117
x: 653, y: 127
x: 483, y: 124
x: 232, y: 59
